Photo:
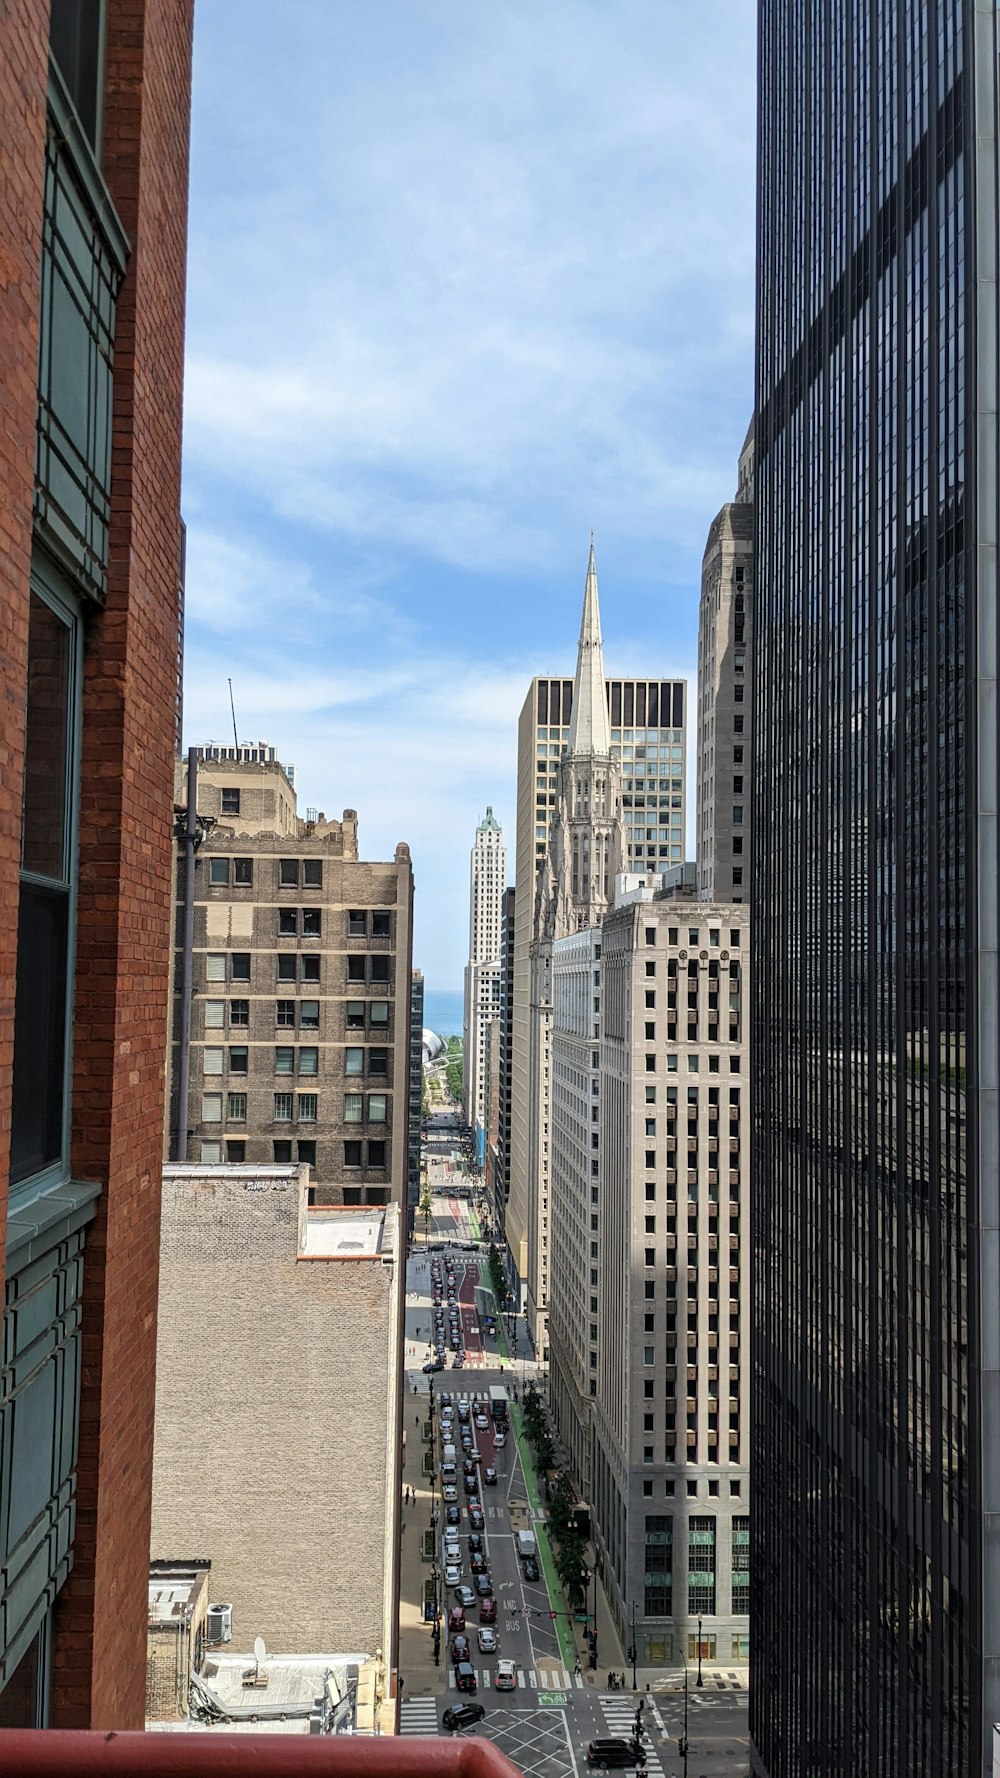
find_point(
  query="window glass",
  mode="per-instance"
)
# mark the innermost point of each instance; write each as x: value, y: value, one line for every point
x: 238, y: 1059
x: 288, y: 873
x: 352, y: 1154
x: 76, y: 41
x: 218, y: 872
x: 237, y: 1108
x: 284, y: 1060
x: 376, y: 1154
x: 310, y: 969
x: 283, y: 1105
x: 236, y: 1153
x: 241, y: 966
x: 215, y: 1014
x: 355, y: 1015
x: 380, y: 969
x: 288, y: 922
x: 311, y: 922
x: 215, y: 966
x: 308, y: 1108
x: 213, y: 1061
x: 211, y: 1108
x: 309, y: 1061
x: 354, y: 1061
x: 307, y: 1153
x: 230, y: 802
x: 243, y: 872
x: 312, y: 873
x: 378, y: 1012
x: 309, y: 1015
x: 356, y: 969
x: 282, y: 1153
x: 378, y: 1062
x: 284, y: 1013
x: 381, y: 925
x: 239, y: 1012
x: 44, y: 990
x: 353, y: 1103
x: 377, y: 1103
x: 211, y: 1153
x: 357, y: 923
x: 286, y: 969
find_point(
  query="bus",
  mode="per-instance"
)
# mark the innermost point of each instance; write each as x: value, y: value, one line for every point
x: 498, y: 1404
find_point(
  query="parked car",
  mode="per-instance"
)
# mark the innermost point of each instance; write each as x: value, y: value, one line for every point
x: 506, y: 1676
x: 449, y: 1491
x: 611, y: 1750
x: 465, y: 1676
x: 488, y: 1610
x: 452, y: 1574
x: 460, y: 1649
x: 452, y: 1552
x: 456, y: 1620
x: 490, y: 1476
x: 465, y: 1596
x: 487, y: 1640
x: 453, y: 1515
x: 462, y: 1716
x: 530, y: 1568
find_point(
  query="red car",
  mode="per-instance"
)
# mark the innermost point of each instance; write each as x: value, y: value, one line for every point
x: 488, y: 1611
x: 459, y: 1648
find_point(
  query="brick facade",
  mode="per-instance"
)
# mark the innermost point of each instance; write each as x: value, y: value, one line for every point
x: 98, y: 1651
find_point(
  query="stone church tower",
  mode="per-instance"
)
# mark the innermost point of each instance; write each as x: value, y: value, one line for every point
x: 586, y: 842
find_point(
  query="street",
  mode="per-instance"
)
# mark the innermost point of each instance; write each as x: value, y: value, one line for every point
x: 546, y: 1722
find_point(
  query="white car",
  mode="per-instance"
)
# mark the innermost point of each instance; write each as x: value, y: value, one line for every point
x: 499, y: 1440
x: 452, y: 1575
x: 452, y: 1553
x: 449, y: 1493
x: 487, y: 1639
x: 506, y: 1676
x: 482, y: 1422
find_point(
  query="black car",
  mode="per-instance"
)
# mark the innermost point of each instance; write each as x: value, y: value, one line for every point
x: 530, y: 1568
x: 471, y: 1483
x: 453, y: 1516
x: 490, y: 1476
x: 465, y: 1676
x: 612, y: 1750
x: 433, y: 1365
x: 475, y: 1542
x: 462, y: 1716
x: 484, y: 1586
x: 476, y: 1516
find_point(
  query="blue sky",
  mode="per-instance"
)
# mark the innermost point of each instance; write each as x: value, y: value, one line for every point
x: 465, y: 281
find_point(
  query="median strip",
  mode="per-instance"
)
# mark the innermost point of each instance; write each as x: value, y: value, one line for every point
x: 567, y: 1642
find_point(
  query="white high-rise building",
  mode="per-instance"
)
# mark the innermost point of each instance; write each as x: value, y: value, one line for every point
x: 487, y: 882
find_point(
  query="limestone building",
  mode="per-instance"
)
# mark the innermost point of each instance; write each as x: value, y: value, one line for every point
x: 639, y: 794
x: 670, y: 1459
x: 724, y: 695
x: 300, y: 1020
x: 278, y: 1437
x: 487, y: 882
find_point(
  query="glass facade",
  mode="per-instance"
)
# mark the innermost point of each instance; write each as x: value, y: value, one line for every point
x: 648, y: 740
x: 875, y: 872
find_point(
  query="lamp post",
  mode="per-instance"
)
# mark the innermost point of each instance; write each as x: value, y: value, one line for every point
x: 682, y: 1745
x: 632, y: 1651
x: 699, y: 1680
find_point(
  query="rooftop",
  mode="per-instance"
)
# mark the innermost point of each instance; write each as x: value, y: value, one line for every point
x: 349, y: 1233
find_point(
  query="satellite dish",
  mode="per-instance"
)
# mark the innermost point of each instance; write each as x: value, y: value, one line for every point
x: 259, y: 1649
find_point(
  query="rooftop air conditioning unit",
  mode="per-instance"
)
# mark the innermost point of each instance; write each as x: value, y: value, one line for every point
x: 219, y: 1623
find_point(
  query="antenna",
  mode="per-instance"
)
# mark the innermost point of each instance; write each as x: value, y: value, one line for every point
x: 259, y: 1650
x: 232, y: 707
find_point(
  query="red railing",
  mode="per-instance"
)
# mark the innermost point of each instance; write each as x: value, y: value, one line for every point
x: 93, y: 1753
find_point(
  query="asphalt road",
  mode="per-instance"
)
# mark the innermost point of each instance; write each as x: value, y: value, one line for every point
x: 544, y: 1725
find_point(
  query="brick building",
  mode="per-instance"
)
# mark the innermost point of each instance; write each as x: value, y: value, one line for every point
x: 278, y: 1405
x: 93, y: 202
x: 301, y: 987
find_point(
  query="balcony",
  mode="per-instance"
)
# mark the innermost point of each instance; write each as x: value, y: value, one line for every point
x: 88, y: 1753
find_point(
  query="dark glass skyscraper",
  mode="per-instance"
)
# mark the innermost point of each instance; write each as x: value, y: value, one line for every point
x: 876, y: 1607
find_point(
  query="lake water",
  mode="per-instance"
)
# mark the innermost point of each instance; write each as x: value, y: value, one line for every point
x: 443, y: 1011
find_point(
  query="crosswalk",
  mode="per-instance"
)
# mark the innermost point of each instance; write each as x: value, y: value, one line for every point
x: 538, y: 1679
x: 619, y: 1714
x: 418, y: 1716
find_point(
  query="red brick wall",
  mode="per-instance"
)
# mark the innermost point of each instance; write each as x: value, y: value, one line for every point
x: 23, y: 67
x: 99, y: 1657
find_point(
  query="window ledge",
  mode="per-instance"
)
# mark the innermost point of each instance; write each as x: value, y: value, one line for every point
x: 32, y: 1216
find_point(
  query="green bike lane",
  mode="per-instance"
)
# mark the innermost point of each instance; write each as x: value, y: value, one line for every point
x: 568, y: 1650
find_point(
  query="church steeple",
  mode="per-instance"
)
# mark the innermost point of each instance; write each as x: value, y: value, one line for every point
x: 589, y: 731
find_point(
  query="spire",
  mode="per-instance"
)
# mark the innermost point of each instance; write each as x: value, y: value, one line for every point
x: 489, y: 824
x: 589, y: 730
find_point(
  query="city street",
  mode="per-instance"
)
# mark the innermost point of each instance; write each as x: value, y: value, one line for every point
x: 546, y: 1722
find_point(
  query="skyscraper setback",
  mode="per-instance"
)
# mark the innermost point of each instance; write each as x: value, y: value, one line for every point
x: 874, y: 1039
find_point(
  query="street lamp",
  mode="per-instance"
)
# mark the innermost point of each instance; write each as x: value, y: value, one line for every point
x: 699, y: 1680
x: 632, y: 1651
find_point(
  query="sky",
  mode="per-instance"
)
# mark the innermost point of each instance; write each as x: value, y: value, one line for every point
x: 465, y: 283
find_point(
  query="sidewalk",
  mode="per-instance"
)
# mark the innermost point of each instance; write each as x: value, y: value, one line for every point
x: 416, y: 1645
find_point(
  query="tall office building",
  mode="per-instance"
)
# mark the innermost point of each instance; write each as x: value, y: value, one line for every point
x: 299, y: 1039
x: 724, y: 686
x: 93, y: 225
x: 875, y: 876
x: 415, y: 1120
x: 487, y: 882
x: 646, y: 736
x: 498, y: 1165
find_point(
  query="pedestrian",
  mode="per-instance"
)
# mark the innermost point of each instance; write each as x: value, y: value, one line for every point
x: 577, y: 1670
x: 610, y: 1686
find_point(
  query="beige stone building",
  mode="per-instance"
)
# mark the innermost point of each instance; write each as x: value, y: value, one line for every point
x: 278, y: 1439
x: 645, y: 737
x: 724, y: 695
x: 299, y: 1032
x: 671, y: 1450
